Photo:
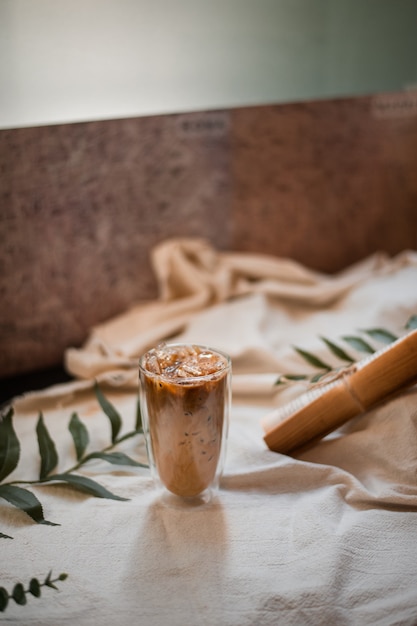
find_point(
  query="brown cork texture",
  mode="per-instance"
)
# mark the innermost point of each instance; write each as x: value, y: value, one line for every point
x: 82, y: 205
x: 326, y: 183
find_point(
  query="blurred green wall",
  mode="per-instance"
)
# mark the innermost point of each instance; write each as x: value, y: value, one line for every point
x: 92, y: 59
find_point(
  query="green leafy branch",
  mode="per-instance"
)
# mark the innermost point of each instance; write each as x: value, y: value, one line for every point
x: 24, y: 499
x: 19, y: 593
x: 357, y: 343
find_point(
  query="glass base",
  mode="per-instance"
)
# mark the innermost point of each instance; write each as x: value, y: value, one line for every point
x: 169, y: 499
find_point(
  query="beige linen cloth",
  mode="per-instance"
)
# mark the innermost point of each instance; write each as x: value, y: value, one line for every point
x: 325, y: 536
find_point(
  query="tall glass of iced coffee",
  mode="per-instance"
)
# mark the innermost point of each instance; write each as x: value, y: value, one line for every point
x: 185, y: 395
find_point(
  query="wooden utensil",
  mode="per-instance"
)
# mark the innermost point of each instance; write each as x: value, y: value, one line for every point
x: 352, y: 391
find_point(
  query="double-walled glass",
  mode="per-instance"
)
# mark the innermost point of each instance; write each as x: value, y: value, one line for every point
x: 185, y: 396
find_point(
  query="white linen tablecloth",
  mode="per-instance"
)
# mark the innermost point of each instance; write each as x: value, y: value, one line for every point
x: 324, y: 536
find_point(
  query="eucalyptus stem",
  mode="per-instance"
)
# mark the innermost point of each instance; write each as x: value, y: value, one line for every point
x: 25, y: 499
x: 81, y: 462
x: 19, y: 593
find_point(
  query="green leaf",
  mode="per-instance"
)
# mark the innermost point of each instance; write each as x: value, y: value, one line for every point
x: 412, y: 323
x: 4, y: 599
x: 295, y: 376
x: 281, y: 380
x: 26, y: 501
x: 116, y: 458
x: 312, y: 359
x: 35, y: 588
x: 9, y: 446
x: 139, y: 423
x: 79, y: 435
x: 337, y: 351
x: 3, y: 536
x: 110, y: 411
x: 47, y: 450
x: 381, y: 335
x: 129, y: 435
x: 18, y: 594
x: 86, y: 485
x: 50, y: 583
x: 358, y: 344
x: 317, y: 377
